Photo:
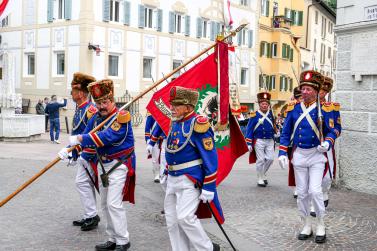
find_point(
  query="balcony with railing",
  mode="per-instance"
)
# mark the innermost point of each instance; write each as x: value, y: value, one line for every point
x: 281, y: 22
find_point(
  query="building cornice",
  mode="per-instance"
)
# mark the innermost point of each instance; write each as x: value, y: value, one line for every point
x: 362, y: 25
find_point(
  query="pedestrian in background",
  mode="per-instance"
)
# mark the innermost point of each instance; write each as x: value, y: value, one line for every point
x: 45, y: 102
x: 39, y: 108
x: 52, y: 109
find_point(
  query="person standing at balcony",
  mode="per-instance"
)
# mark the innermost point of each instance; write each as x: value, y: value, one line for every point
x: 260, y: 138
x: 52, y: 109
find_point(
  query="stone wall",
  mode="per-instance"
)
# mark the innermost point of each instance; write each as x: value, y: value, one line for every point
x: 358, y: 144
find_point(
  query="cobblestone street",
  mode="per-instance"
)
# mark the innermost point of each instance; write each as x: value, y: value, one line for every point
x: 40, y: 217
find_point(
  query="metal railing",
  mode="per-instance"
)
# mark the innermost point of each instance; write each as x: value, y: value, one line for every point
x: 134, y: 110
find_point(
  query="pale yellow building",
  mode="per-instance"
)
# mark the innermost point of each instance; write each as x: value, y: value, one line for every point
x: 280, y: 30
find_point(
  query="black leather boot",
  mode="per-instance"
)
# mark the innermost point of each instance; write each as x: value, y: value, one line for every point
x: 216, y: 247
x: 90, y: 223
x: 78, y: 223
x: 109, y: 245
x: 123, y: 247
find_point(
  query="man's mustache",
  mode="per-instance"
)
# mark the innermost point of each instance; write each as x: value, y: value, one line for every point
x: 102, y: 110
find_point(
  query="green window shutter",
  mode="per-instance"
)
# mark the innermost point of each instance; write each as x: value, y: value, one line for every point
x: 187, y: 25
x: 250, y: 32
x: 50, y: 10
x: 126, y: 12
x: 268, y: 50
x: 67, y: 9
x: 288, y: 52
x: 171, y: 22
x: 106, y: 10
x: 290, y: 84
x: 281, y: 83
x: 286, y: 84
x: 268, y: 82
x: 294, y: 13
x: 291, y: 55
x: 199, y: 27
x: 261, y: 48
x: 286, y: 12
x: 141, y: 16
x: 283, y: 55
x: 159, y: 20
x: 300, y: 17
x: 268, y: 8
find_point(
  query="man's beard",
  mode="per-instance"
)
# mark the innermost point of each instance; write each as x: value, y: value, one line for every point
x: 176, y: 118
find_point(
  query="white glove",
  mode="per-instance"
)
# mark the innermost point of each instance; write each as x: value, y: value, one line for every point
x: 277, y: 135
x: 324, y: 147
x: 63, y: 153
x: 149, y: 149
x: 250, y: 148
x: 283, y: 162
x: 206, y: 196
x: 148, y: 141
x: 73, y: 140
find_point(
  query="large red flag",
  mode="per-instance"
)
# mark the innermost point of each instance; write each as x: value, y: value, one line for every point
x: 210, y: 78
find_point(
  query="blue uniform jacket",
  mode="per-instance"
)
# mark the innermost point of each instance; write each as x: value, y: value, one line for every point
x: 80, y: 121
x: 156, y: 135
x: 264, y: 131
x: 185, y: 143
x: 52, y: 109
x: 149, y: 127
x: 337, y: 119
x: 304, y: 136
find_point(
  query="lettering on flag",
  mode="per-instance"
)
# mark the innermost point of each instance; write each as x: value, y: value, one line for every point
x: 163, y: 108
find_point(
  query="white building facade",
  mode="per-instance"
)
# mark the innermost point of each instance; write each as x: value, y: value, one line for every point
x: 139, y: 41
x: 356, y: 79
x: 318, y: 46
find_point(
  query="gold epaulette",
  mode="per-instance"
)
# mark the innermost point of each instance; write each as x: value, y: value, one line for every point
x: 290, y: 106
x: 252, y: 114
x: 202, y: 124
x: 327, y: 107
x: 123, y: 117
x: 91, y: 111
x: 336, y: 106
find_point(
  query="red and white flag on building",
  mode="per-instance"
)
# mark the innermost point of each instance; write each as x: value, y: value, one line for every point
x: 228, y: 20
x: 5, y: 8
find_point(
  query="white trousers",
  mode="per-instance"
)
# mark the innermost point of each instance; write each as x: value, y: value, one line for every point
x: 309, y: 165
x: 155, y: 157
x: 181, y: 203
x: 112, y: 204
x: 86, y: 188
x: 264, y: 149
x: 163, y: 176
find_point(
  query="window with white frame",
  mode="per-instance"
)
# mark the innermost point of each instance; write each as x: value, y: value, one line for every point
x: 274, y: 50
x: 176, y: 64
x: 60, y: 63
x: 283, y: 83
x: 243, y: 34
x: 264, y: 49
x: 265, y: 7
x: 147, y: 67
x: 244, y: 78
x: 30, y: 64
x: 113, y: 65
x: 315, y: 45
x: 271, y: 84
x: 148, y: 17
x: 59, y: 9
x: 244, y: 2
x: 114, y: 10
x: 178, y: 23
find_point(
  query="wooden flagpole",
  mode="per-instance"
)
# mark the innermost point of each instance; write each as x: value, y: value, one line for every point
x: 57, y: 159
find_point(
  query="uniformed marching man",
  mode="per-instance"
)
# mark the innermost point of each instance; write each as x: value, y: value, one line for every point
x: 158, y: 137
x: 114, y: 144
x: 302, y: 131
x: 330, y: 171
x: 192, y: 163
x: 260, y: 137
x: 86, y: 178
x: 154, y: 153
